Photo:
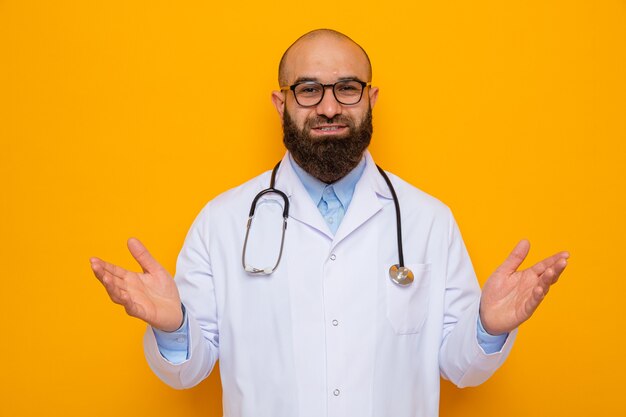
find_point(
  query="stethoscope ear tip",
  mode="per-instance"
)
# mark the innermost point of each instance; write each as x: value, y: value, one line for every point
x: 401, y: 275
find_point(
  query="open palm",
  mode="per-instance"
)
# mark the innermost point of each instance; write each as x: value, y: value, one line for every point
x: 510, y: 297
x: 151, y: 296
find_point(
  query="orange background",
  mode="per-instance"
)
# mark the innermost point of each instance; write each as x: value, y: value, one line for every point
x: 123, y: 118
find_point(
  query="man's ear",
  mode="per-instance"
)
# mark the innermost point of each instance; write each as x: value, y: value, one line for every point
x: 278, y: 100
x: 373, y: 96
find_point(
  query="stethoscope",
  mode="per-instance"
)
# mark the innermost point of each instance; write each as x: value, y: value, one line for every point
x: 398, y: 273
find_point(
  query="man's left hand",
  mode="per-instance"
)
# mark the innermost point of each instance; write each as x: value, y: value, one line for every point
x: 510, y: 297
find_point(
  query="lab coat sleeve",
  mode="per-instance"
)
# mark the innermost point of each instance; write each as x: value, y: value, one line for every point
x: 462, y: 360
x: 194, y: 280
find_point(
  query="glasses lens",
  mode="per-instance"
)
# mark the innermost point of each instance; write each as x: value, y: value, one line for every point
x: 309, y: 94
x: 348, y: 92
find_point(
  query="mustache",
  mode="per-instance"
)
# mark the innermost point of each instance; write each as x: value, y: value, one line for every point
x: 321, y: 120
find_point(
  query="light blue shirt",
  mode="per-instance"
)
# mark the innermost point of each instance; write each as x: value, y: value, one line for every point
x: 332, y: 200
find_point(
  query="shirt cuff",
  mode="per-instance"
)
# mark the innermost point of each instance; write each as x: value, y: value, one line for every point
x: 174, y: 346
x: 488, y: 342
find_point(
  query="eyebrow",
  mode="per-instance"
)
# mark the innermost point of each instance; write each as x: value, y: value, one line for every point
x: 317, y: 80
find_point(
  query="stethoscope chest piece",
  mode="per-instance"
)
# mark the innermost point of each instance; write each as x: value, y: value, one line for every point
x: 401, y: 275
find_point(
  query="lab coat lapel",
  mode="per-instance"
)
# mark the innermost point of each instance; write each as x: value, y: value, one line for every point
x: 366, y: 201
x: 301, y: 207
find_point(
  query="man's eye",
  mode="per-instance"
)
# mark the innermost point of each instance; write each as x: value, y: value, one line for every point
x: 310, y: 89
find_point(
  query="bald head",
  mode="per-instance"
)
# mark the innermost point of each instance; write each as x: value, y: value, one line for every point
x: 324, y: 38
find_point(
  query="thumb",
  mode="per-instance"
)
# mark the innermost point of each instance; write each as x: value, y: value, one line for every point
x: 142, y: 256
x: 515, y: 258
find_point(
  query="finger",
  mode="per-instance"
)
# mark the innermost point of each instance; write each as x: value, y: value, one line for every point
x: 539, y: 294
x: 552, y: 274
x: 516, y: 257
x: 97, y: 267
x: 117, y: 295
x: 142, y: 256
x: 112, y: 280
x: 549, y: 277
x: 108, y: 275
x: 120, y: 295
x: 117, y: 271
x: 559, y: 268
x: 115, y: 292
x: 541, y: 266
x: 114, y: 285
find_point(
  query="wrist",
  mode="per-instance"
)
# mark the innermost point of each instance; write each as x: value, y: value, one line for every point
x: 180, y: 325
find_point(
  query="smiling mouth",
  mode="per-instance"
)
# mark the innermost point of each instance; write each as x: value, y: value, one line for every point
x: 329, y: 128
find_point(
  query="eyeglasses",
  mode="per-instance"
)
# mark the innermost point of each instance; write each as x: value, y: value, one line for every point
x: 311, y: 93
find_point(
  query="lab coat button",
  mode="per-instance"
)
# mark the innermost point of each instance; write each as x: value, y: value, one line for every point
x: 333, y: 257
x: 336, y: 393
x: 335, y: 323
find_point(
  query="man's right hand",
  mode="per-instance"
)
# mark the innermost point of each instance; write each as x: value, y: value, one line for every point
x: 151, y: 296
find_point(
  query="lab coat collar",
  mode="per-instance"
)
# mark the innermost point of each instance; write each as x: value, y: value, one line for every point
x: 301, y: 206
x: 376, y: 181
x: 365, y: 202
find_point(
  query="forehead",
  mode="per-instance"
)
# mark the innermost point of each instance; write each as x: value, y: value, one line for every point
x: 326, y: 59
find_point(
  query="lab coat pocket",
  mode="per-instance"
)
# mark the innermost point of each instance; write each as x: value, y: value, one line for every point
x: 407, y: 305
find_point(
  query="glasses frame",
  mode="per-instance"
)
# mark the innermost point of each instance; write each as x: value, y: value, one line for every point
x: 324, y: 87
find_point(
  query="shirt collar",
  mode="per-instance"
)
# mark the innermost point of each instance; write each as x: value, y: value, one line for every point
x: 344, y: 188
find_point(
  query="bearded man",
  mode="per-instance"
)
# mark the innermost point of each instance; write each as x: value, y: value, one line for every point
x: 310, y: 320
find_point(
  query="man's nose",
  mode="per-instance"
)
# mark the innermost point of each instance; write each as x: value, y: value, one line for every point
x: 329, y: 106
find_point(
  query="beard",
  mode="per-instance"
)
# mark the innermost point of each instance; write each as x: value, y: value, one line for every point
x: 327, y: 158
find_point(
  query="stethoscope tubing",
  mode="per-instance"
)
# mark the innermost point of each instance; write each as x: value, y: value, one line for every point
x: 396, y: 203
x: 398, y: 272
x: 270, y: 190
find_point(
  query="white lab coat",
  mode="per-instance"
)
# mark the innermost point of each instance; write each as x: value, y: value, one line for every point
x: 328, y: 333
